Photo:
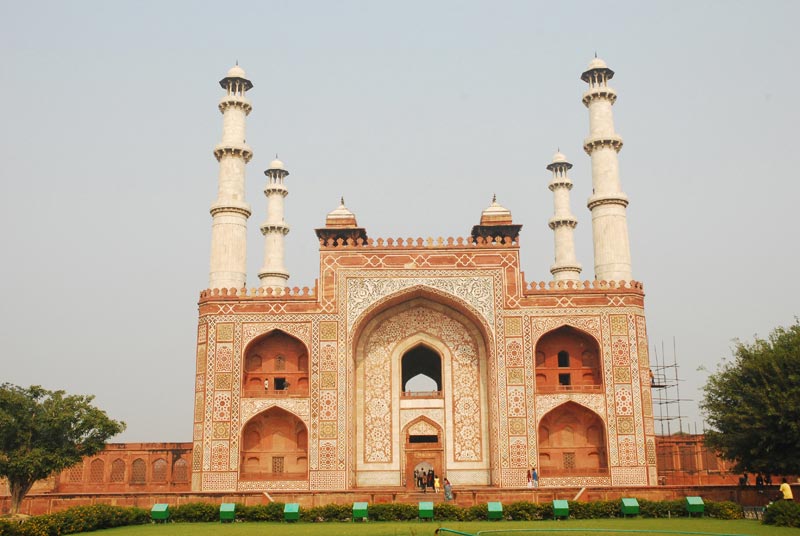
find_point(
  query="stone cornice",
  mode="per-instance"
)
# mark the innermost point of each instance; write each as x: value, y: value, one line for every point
x: 273, y: 273
x: 243, y: 151
x: 590, y: 144
x: 556, y: 268
x: 615, y: 199
x: 422, y: 243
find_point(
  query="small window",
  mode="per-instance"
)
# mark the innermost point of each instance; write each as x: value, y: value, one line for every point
x: 564, y: 379
x: 118, y: 471
x: 280, y: 363
x: 563, y: 359
x: 423, y: 439
x: 569, y: 460
x: 180, y: 471
x: 277, y: 464
x: 281, y: 384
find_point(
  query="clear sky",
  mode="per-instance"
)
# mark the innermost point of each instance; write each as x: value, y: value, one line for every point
x: 416, y: 112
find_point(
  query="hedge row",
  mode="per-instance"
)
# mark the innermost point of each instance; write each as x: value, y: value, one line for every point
x: 77, y: 519
x: 89, y: 518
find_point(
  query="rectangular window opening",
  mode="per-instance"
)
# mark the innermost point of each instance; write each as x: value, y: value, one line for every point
x: 564, y: 379
x: 423, y: 439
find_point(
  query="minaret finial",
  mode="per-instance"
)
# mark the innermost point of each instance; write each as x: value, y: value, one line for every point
x: 494, y: 198
x: 595, y: 53
x: 237, y: 61
x: 342, y: 200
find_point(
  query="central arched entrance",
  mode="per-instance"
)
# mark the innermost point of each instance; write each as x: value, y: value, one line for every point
x: 420, y: 359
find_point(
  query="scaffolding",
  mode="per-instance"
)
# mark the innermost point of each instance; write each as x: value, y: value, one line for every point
x: 665, y: 384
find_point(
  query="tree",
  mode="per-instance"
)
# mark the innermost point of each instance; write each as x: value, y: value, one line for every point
x: 43, y: 432
x: 753, y: 404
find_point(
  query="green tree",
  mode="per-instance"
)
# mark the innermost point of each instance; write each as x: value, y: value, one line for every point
x: 753, y: 404
x: 42, y: 432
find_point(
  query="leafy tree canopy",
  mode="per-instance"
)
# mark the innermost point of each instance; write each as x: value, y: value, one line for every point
x: 753, y: 404
x: 42, y: 432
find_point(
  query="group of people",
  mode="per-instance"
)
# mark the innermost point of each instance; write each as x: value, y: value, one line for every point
x: 784, y: 492
x: 425, y: 480
x: 533, y: 478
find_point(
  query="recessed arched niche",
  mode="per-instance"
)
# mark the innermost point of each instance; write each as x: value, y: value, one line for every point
x: 274, y: 447
x: 568, y: 359
x: 572, y: 442
x: 275, y: 365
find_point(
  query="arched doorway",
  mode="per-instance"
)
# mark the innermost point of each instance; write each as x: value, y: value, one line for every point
x: 572, y: 442
x: 423, y: 450
x: 274, y: 447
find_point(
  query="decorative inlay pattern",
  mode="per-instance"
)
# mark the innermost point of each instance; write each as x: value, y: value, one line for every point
x: 296, y: 406
x: 477, y: 291
x: 595, y: 402
x: 623, y: 400
x: 513, y: 326
x: 629, y: 476
x: 409, y: 415
x: 465, y: 373
x: 422, y: 427
x: 300, y: 330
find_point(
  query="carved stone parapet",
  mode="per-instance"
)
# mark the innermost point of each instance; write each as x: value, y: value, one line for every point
x: 613, y: 141
x: 615, y: 199
x: 243, y: 151
x: 602, y: 92
x: 230, y: 206
x: 563, y: 222
x: 235, y: 101
x: 281, y: 228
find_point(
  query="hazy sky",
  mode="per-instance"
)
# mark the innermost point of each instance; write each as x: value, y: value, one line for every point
x: 415, y: 111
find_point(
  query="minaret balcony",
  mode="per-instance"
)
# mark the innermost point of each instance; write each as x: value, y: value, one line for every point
x: 243, y: 151
x: 595, y: 142
x: 235, y: 101
x: 280, y: 228
x: 599, y: 92
x: 568, y: 221
x: 229, y: 205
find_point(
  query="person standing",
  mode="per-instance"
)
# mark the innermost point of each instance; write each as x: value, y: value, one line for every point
x: 535, y: 477
x: 435, y: 484
x: 786, y: 490
x: 430, y: 478
x: 448, y: 490
x: 530, y: 477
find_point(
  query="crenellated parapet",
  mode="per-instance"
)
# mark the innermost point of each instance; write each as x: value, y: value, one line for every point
x: 422, y: 243
x: 548, y: 286
x: 258, y: 292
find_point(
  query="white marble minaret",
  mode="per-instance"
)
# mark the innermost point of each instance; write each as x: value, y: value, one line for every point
x: 273, y: 274
x: 612, y: 252
x: 230, y: 211
x: 566, y: 266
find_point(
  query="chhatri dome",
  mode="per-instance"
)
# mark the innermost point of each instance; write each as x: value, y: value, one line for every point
x: 496, y: 214
x: 341, y: 216
x: 236, y: 72
x: 276, y: 164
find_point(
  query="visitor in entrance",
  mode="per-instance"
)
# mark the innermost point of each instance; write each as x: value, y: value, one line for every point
x: 266, y: 384
x: 436, y: 484
x: 535, y: 477
x: 529, y: 476
x: 430, y: 478
x: 448, y: 490
x: 421, y: 480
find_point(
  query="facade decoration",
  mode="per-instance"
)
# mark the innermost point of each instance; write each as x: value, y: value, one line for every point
x: 422, y: 353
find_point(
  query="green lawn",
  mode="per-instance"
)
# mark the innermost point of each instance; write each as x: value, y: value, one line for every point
x: 412, y: 528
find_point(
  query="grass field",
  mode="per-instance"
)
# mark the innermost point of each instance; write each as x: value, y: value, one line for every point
x: 642, y: 527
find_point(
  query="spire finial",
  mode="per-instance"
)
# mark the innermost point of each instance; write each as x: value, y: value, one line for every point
x: 558, y: 149
x: 595, y: 53
x: 237, y: 60
x: 494, y: 198
x: 342, y: 200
